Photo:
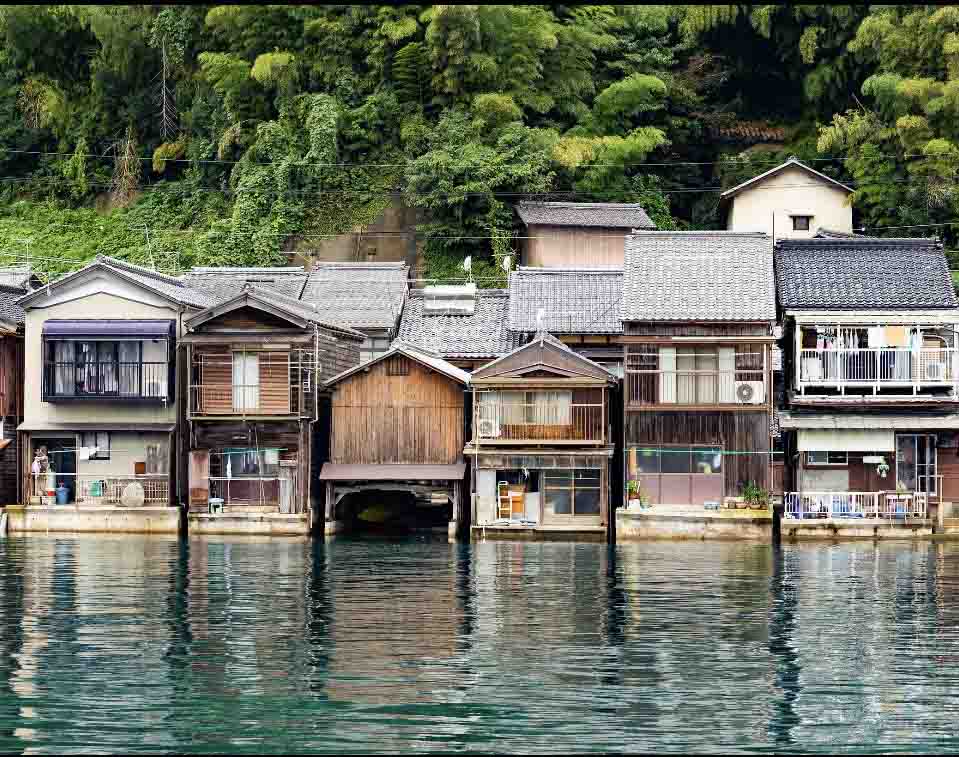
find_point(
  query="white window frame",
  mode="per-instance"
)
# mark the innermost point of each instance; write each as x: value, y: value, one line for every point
x: 826, y: 463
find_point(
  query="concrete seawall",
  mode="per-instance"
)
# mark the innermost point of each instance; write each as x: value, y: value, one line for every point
x: 259, y: 524
x: 845, y: 528
x: 693, y: 523
x: 73, y: 519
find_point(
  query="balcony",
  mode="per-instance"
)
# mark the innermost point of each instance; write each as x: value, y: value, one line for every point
x: 97, y: 490
x: 552, y: 421
x: 272, y: 399
x: 819, y: 505
x: 873, y: 370
x: 238, y: 383
x: 695, y: 387
x: 137, y: 381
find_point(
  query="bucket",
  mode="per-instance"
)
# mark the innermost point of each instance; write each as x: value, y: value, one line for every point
x: 62, y: 494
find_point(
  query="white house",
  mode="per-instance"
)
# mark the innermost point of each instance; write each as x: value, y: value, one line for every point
x: 790, y: 201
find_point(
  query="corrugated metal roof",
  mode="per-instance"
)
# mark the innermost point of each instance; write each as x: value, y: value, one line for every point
x: 615, y: 215
x: 571, y: 301
x: 341, y: 472
x: 699, y: 276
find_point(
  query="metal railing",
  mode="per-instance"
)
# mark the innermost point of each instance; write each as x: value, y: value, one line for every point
x: 246, y: 399
x: 108, y: 379
x: 877, y: 366
x: 550, y: 421
x: 257, y: 491
x: 695, y: 387
x: 866, y: 505
x: 93, y: 489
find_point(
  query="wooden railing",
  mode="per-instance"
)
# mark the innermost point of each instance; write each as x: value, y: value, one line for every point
x: 271, y: 398
x: 498, y: 421
x: 866, y: 505
x: 880, y: 367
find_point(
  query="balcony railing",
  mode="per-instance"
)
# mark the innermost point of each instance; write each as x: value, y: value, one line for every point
x: 273, y: 398
x: 877, y: 367
x: 106, y: 380
x: 91, y: 490
x: 695, y: 387
x: 539, y: 422
x: 864, y: 505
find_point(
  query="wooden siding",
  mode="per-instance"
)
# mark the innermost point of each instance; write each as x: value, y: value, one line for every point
x: 215, y: 390
x: 247, y: 319
x: 654, y: 329
x: 574, y: 246
x: 381, y: 419
x: 736, y: 432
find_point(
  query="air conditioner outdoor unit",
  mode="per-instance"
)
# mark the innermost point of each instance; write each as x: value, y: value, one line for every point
x: 750, y: 392
x: 935, y: 371
x: 488, y: 428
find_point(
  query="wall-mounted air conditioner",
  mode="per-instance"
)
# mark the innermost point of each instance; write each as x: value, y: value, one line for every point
x: 750, y: 392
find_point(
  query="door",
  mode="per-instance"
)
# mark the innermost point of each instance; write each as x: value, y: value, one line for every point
x: 916, y: 462
x: 246, y: 381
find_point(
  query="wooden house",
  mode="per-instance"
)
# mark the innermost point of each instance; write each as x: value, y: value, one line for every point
x: 871, y: 366
x: 698, y: 314
x: 578, y: 234
x: 398, y: 425
x: 541, y: 445
x: 251, y: 376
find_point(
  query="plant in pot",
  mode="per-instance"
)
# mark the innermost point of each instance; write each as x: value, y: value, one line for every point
x: 755, y: 496
x: 633, y: 499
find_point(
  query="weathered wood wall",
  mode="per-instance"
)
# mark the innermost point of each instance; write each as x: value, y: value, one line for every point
x: 574, y: 246
x: 695, y: 329
x: 216, y: 382
x: 11, y: 410
x: 734, y: 431
x: 380, y: 418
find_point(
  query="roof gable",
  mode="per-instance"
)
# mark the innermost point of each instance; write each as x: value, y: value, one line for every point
x: 791, y: 163
x: 863, y: 274
x: 547, y: 354
x: 419, y: 356
x: 699, y: 276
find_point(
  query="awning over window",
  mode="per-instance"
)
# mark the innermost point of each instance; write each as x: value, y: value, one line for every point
x: 108, y: 329
x: 845, y: 440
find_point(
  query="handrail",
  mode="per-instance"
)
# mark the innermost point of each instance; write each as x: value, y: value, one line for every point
x: 866, y: 505
x: 877, y: 366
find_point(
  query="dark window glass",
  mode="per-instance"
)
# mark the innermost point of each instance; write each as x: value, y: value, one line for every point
x: 801, y: 223
x: 707, y: 461
x: 675, y: 461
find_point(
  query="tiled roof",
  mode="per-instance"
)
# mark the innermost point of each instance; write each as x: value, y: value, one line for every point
x: 481, y: 334
x: 863, y: 274
x: 221, y: 284
x: 16, y: 277
x: 572, y: 301
x: 10, y: 310
x: 698, y: 276
x: 302, y: 309
x: 363, y: 295
x: 618, y: 215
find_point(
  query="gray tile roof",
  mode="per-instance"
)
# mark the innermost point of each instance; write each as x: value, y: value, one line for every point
x: 863, y: 274
x: 616, y: 215
x: 222, y: 284
x: 572, y: 301
x: 10, y: 310
x: 16, y: 277
x: 698, y: 276
x: 302, y: 309
x: 482, y: 334
x: 363, y: 295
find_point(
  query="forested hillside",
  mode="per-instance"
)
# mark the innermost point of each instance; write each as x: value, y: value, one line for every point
x: 231, y: 134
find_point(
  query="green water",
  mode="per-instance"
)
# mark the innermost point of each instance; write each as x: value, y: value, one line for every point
x: 154, y: 645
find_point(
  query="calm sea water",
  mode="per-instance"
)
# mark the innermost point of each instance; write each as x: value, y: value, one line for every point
x: 156, y: 645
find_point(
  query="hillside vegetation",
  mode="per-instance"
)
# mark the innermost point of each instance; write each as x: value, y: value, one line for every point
x: 212, y: 135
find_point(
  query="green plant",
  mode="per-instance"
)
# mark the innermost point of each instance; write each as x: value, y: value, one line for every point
x: 755, y: 496
x: 632, y: 489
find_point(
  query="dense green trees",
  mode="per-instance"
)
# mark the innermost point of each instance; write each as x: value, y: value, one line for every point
x: 233, y: 133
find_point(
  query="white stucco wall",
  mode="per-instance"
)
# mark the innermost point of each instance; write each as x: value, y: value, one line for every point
x: 792, y: 191
x: 98, y: 296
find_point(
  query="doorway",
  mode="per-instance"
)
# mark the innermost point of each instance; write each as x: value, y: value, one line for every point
x: 61, y: 462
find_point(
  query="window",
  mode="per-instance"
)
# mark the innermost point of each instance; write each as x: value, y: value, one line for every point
x: 801, y: 223
x: 916, y: 462
x: 398, y: 365
x: 157, y: 459
x: 85, y: 369
x: 572, y: 492
x: 246, y: 381
x: 827, y: 458
x: 97, y: 444
x: 372, y: 347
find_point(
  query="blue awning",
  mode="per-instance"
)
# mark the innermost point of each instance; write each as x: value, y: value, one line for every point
x: 108, y: 329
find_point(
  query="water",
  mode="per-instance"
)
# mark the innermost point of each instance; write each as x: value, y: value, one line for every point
x: 155, y: 645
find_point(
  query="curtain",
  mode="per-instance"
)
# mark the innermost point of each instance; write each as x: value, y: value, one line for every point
x: 129, y: 354
x: 246, y: 381
x: 64, y: 381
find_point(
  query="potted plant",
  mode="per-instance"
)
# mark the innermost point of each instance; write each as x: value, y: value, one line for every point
x: 633, y: 499
x: 755, y: 496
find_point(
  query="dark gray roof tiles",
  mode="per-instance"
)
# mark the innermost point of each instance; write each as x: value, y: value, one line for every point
x: 16, y: 277
x: 222, y: 284
x: 863, y: 274
x: 363, y: 295
x: 10, y: 310
x: 616, y: 215
x: 698, y: 276
x: 482, y: 334
x: 571, y: 301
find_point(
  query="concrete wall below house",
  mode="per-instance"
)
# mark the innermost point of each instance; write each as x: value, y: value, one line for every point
x: 855, y: 529
x: 720, y: 524
x: 252, y: 524
x: 69, y: 519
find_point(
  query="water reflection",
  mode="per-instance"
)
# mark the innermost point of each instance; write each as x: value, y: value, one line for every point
x: 252, y: 645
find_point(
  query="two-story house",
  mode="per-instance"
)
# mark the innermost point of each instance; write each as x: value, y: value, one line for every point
x: 100, y: 401
x: 698, y: 311
x: 251, y: 377
x: 578, y: 234
x: 790, y: 201
x: 870, y: 358
x: 541, y: 447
